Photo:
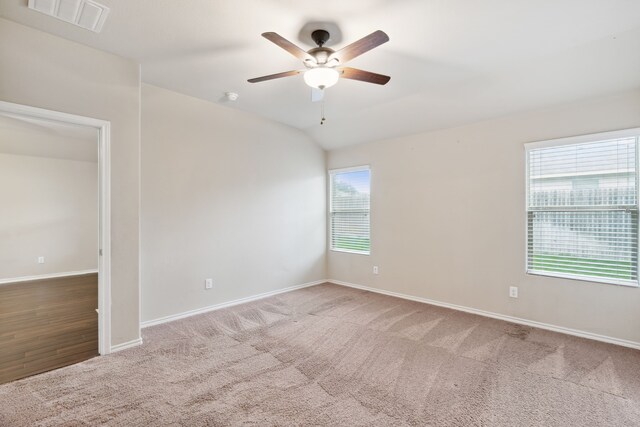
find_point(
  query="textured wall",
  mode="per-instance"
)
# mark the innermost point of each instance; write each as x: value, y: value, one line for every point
x: 45, y: 71
x: 448, y: 219
x: 49, y: 208
x: 225, y: 195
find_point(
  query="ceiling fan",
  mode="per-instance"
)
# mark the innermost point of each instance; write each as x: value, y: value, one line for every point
x: 324, y: 66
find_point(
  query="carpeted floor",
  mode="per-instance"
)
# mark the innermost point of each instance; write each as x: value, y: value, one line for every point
x: 329, y: 355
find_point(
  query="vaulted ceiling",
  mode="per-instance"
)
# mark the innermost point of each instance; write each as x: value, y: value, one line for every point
x: 451, y: 61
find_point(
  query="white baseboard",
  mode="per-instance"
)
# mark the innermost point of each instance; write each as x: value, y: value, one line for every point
x: 207, y: 309
x: 126, y: 345
x: 46, y: 276
x: 533, y: 323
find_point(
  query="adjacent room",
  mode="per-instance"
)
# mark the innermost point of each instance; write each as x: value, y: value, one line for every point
x: 420, y: 212
x: 49, y: 248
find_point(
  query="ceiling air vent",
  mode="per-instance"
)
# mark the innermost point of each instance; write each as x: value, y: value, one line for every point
x: 83, y: 13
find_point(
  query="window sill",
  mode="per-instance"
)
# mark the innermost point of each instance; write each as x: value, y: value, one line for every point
x: 616, y: 282
x: 346, y: 251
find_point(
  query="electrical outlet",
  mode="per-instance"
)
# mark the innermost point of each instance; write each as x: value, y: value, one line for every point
x: 513, y: 291
x: 375, y: 269
x: 208, y: 283
x: 40, y: 260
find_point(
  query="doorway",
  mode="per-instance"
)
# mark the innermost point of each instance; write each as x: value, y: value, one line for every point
x: 55, y: 235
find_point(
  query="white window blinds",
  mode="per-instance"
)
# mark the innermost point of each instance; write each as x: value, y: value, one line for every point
x: 582, y: 208
x: 349, y: 210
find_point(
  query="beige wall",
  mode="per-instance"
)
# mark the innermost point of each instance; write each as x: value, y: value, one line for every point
x: 49, y: 208
x: 45, y: 71
x: 448, y: 220
x: 240, y: 199
x: 225, y: 195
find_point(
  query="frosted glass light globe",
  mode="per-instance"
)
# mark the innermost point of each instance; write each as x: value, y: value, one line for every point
x: 321, y: 77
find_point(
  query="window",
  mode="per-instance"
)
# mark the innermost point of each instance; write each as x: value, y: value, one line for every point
x: 582, y: 208
x: 349, y: 210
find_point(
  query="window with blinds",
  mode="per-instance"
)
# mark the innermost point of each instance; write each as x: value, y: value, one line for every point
x: 582, y: 208
x: 349, y: 210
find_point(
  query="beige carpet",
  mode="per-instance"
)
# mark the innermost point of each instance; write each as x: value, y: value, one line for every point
x: 330, y: 355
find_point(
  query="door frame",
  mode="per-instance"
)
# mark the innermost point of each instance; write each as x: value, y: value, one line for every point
x: 104, y: 166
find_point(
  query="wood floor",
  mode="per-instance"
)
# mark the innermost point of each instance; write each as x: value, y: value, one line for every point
x: 47, y: 324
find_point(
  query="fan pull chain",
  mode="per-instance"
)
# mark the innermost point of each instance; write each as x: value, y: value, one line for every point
x: 322, y: 118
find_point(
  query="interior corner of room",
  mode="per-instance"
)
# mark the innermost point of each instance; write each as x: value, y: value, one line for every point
x: 203, y: 203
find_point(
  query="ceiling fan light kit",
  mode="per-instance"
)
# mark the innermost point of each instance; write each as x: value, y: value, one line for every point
x: 325, y: 66
x: 321, y: 77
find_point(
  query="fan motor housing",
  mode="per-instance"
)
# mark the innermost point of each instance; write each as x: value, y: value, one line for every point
x: 321, y: 54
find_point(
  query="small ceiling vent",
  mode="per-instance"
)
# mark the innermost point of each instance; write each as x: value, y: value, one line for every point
x: 83, y: 13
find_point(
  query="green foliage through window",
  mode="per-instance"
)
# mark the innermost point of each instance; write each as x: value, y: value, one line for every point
x: 349, y: 211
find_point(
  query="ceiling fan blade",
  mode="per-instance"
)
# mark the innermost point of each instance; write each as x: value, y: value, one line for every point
x: 361, y: 46
x: 274, y: 76
x: 363, y: 76
x: 317, y: 94
x: 288, y: 46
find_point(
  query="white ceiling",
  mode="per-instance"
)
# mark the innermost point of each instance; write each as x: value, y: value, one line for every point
x: 451, y: 61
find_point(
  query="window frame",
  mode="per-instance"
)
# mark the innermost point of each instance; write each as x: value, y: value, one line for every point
x: 586, y: 138
x: 331, y: 173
